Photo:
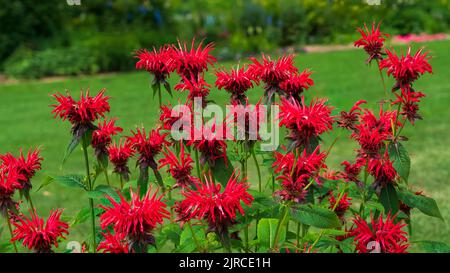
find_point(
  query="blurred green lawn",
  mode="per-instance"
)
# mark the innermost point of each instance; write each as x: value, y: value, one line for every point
x: 342, y: 77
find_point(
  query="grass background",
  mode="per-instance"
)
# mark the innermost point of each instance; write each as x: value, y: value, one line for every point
x: 342, y: 77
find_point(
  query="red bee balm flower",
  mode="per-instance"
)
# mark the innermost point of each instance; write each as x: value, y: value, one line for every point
x: 406, y: 69
x: 82, y: 113
x: 218, y: 208
x: 147, y: 147
x: 180, y: 168
x: 38, y: 235
x: 9, y: 183
x: 305, y: 122
x: 116, y: 243
x: 236, y: 82
x: 192, y: 62
x: 119, y: 155
x: 348, y: 120
x: 372, y: 41
x: 196, y: 86
x: 211, y: 145
x: 136, y: 218
x: 388, y: 236
x: 272, y: 73
x: 296, y: 84
x: 26, y: 167
x: 101, y: 138
x: 342, y: 206
x: 157, y: 62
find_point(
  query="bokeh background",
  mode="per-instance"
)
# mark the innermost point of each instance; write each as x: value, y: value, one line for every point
x: 51, y: 46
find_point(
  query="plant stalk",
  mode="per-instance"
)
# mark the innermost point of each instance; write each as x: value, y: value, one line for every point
x: 91, y: 201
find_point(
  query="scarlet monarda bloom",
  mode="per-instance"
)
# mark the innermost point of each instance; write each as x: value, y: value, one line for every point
x: 342, y: 206
x: 102, y: 137
x: 386, y: 235
x: 25, y: 166
x: 348, y: 120
x: 157, y: 62
x: 382, y: 170
x: 218, y: 208
x: 211, y: 146
x: 236, y: 82
x: 197, y: 87
x: 119, y: 155
x: 352, y: 171
x: 147, y: 146
x: 372, y: 41
x: 81, y: 113
x: 306, y: 123
x: 296, y: 174
x: 194, y: 61
x: 114, y: 243
x: 272, y: 72
x: 9, y: 183
x: 38, y: 235
x: 296, y: 84
x: 136, y: 218
x: 180, y: 167
x: 371, y: 132
x: 406, y: 68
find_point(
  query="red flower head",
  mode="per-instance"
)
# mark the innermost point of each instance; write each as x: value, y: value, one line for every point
x: 26, y: 167
x: 372, y: 41
x: 166, y: 118
x: 342, y: 206
x: 82, y: 113
x: 211, y: 146
x: 352, y: 171
x: 372, y: 132
x: 116, y: 243
x: 192, y: 62
x: 157, y: 62
x: 136, y: 218
x: 147, y: 147
x: 119, y: 155
x: 196, y: 86
x: 348, y: 120
x: 9, y: 183
x: 272, y: 73
x: 101, y: 138
x: 382, y: 170
x: 247, y: 119
x: 218, y: 208
x: 236, y: 82
x: 406, y: 69
x: 305, y: 122
x: 38, y: 235
x: 386, y: 234
x: 296, y: 174
x: 180, y: 168
x: 296, y: 84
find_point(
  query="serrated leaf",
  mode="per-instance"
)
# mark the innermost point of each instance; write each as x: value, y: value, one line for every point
x: 71, y: 180
x: 425, y: 204
x: 315, y: 216
x: 267, y: 230
x: 108, y: 190
x: 389, y: 199
x: 400, y: 159
x: 72, y: 145
x: 47, y: 181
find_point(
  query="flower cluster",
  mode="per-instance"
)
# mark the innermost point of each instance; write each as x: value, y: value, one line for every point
x: 236, y: 82
x: 372, y: 41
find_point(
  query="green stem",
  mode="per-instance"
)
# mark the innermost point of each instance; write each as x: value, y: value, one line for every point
x: 30, y: 202
x: 159, y: 96
x: 105, y: 171
x: 197, y: 165
x: 121, y: 181
x: 8, y: 220
x: 298, y: 234
x: 258, y: 171
x: 280, y: 224
x: 90, y: 186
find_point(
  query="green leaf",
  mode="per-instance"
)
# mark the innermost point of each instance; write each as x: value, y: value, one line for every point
x: 81, y: 217
x: 374, y: 205
x: 434, y: 247
x: 315, y: 216
x: 172, y: 232
x: 266, y: 232
x: 71, y: 181
x: 187, y: 243
x: 400, y: 159
x: 47, y: 181
x: 425, y: 204
x: 389, y: 199
x: 108, y: 190
x: 72, y: 145
x: 143, y: 180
